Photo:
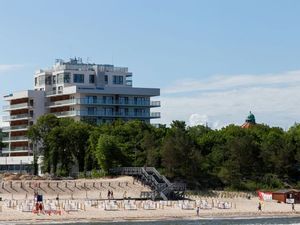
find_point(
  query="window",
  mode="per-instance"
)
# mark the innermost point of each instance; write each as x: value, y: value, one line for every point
x: 54, y: 79
x: 78, y: 78
x: 92, y: 79
x: 117, y: 79
x: 48, y: 80
x: 66, y: 77
x: 106, y: 79
x: 91, y: 111
x: 60, y: 78
x: 35, y: 81
x: 41, y: 80
x: 91, y: 99
x: 60, y: 89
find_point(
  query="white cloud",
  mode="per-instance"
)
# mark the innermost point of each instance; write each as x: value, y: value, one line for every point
x: 221, y: 82
x: 222, y: 100
x: 9, y: 67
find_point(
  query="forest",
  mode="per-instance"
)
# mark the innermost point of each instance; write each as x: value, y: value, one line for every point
x: 230, y: 158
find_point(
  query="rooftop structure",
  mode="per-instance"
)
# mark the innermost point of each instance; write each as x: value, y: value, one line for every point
x: 250, y: 121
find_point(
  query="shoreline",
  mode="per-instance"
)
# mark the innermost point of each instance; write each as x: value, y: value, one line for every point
x: 231, y: 216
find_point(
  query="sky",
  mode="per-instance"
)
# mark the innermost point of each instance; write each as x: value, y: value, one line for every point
x: 213, y: 60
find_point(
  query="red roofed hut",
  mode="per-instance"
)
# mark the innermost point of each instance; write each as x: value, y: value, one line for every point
x: 287, y: 196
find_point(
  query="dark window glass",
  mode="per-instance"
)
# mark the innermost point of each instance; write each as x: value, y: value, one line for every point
x: 78, y: 78
x: 92, y: 79
x: 54, y: 79
x: 66, y: 77
x: 117, y: 79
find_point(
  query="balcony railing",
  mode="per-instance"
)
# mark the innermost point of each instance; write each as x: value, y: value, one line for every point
x: 15, y: 138
x: 12, y: 128
x: 63, y: 102
x: 54, y: 92
x: 119, y: 114
x: 120, y: 102
x: 85, y: 101
x: 16, y: 149
x: 65, y: 113
x: 16, y: 117
x: 15, y: 106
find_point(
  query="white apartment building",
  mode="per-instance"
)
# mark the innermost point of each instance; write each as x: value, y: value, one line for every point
x: 93, y: 93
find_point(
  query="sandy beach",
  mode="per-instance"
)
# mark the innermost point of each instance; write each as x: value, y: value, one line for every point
x: 87, y: 200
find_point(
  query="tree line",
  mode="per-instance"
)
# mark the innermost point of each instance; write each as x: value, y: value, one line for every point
x: 232, y: 157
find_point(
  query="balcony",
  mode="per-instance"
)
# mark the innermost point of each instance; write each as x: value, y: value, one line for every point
x: 15, y: 139
x: 16, y: 106
x: 64, y: 114
x: 56, y: 92
x: 16, y: 149
x: 84, y: 101
x: 62, y: 103
x: 16, y: 117
x: 15, y: 128
x: 151, y: 115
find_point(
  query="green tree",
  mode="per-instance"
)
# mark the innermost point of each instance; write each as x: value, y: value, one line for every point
x: 108, y: 152
x: 38, y: 133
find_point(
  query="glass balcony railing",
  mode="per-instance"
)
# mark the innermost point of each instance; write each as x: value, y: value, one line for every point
x: 11, y: 128
x: 63, y: 102
x: 16, y: 117
x: 15, y: 138
x: 119, y: 114
x: 15, y: 106
x: 84, y: 101
x: 65, y: 113
x: 16, y: 149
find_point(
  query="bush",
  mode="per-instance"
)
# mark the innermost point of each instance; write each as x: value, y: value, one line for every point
x: 97, y: 173
x: 272, y: 181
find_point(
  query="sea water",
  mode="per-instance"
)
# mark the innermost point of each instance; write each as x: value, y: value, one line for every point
x: 259, y: 221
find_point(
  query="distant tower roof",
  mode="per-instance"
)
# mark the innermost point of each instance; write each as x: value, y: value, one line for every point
x: 250, y: 121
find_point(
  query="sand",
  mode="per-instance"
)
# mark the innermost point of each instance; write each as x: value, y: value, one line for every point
x: 90, y: 206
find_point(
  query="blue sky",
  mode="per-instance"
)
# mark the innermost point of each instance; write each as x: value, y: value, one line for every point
x: 213, y: 60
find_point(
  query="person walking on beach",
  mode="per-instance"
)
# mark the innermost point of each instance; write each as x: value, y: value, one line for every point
x: 198, y: 209
x: 293, y: 207
x: 259, y: 206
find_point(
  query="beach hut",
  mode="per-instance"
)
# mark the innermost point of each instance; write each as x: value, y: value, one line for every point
x: 287, y: 196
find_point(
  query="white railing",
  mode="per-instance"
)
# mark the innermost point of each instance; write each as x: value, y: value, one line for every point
x: 15, y: 160
x: 16, y: 149
x: 21, y: 127
x: 16, y: 106
x: 118, y: 114
x: 15, y: 138
x: 65, y: 113
x: 120, y: 102
x: 16, y: 117
x: 63, y: 102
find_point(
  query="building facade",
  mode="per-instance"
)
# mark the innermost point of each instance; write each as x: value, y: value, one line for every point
x: 93, y: 93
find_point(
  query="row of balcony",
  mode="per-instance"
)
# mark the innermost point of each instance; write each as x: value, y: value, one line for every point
x: 14, y: 139
x: 16, y: 117
x: 109, y: 114
x: 16, y: 149
x: 16, y: 106
x: 85, y: 101
x: 15, y: 128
